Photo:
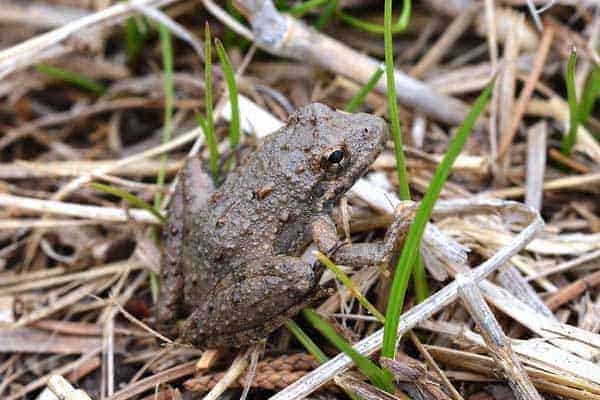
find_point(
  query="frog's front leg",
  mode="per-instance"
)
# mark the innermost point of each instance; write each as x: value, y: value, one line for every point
x: 252, y: 301
x: 324, y: 234
x: 190, y: 195
x: 361, y: 254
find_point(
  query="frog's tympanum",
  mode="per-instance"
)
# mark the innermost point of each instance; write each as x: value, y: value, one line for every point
x: 231, y: 268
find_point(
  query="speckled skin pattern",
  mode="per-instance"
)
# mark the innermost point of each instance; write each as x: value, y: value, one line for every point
x: 230, y: 265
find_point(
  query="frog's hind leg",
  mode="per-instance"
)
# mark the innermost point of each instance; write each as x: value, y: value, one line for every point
x: 252, y: 301
x: 171, y: 302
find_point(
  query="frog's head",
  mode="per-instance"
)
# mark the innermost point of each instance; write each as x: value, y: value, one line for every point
x: 341, y: 146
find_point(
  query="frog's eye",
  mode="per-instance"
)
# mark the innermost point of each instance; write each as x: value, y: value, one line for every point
x: 335, y: 159
x: 336, y: 156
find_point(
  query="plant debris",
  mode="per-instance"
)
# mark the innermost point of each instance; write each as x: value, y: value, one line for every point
x: 100, y: 103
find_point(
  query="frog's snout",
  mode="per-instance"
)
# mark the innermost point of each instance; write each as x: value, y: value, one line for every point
x: 384, y: 129
x: 377, y: 130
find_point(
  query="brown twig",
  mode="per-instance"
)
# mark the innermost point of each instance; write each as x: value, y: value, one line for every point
x: 540, y: 60
x: 285, y: 36
x: 573, y: 290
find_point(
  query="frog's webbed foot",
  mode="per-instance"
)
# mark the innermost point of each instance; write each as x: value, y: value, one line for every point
x: 170, y: 305
x: 251, y: 302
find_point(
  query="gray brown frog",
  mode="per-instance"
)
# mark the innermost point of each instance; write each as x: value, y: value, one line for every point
x: 231, y: 266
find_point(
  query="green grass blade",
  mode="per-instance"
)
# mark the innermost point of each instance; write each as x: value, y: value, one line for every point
x: 133, y: 39
x: 420, y: 278
x: 209, y: 125
x: 403, y: 186
x: 167, y: 58
x: 301, y: 9
x: 359, y: 97
x: 234, y: 126
x: 393, y: 105
x: 129, y: 198
x: 413, y: 239
x: 168, y: 70
x: 327, y: 14
x: 378, y: 29
x: 366, y: 366
x: 68, y: 76
x: 281, y: 5
x: 230, y: 38
x: 211, y: 143
x: 312, y: 348
x: 306, y: 341
x: 569, y: 139
x: 590, y: 94
x: 347, y: 282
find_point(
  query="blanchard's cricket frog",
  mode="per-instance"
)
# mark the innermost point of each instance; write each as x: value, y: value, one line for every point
x: 231, y: 265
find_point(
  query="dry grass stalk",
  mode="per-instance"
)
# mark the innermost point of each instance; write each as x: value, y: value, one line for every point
x: 511, y: 279
x: 540, y: 59
x: 566, y: 266
x: 585, y: 183
x: 43, y: 380
x: 552, y: 383
x: 40, y: 15
x: 411, y: 372
x: 64, y: 391
x: 29, y: 170
x: 431, y: 362
x: 573, y: 290
x: 28, y: 340
x: 236, y: 368
x: 445, y: 42
x: 536, y: 164
x: 558, y: 109
x: 43, y: 46
x: 150, y: 382
x: 65, y: 301
x: 364, y: 390
x: 556, y: 155
x: 572, y: 370
x: 584, y: 344
x: 115, y: 268
x: 497, y: 343
x: 208, y: 359
x: 78, y: 210
x: 506, y: 87
x: 81, y: 137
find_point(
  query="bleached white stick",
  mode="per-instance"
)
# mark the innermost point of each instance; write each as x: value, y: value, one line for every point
x: 40, y: 47
x: 77, y: 210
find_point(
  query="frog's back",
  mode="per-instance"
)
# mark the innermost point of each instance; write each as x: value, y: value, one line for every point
x: 264, y: 207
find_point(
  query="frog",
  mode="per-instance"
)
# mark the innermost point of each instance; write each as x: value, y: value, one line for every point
x: 231, y: 271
